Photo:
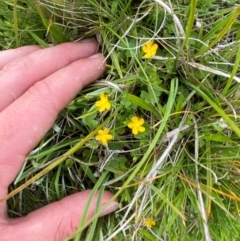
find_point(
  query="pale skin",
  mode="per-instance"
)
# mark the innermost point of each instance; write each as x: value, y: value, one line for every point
x: 35, y: 85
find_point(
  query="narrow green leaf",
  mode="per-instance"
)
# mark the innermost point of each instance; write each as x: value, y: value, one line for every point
x: 39, y: 40
x: 217, y: 137
x: 191, y: 19
x: 226, y: 24
x: 141, y: 103
x: 234, y: 72
x: 216, y: 107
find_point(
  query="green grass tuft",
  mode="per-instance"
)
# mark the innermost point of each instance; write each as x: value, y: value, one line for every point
x: 183, y: 171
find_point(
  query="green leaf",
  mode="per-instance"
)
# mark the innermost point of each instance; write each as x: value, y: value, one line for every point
x: 147, y: 235
x: 39, y: 40
x: 217, y: 137
x: 90, y: 120
x: 143, y: 104
x: 223, y: 25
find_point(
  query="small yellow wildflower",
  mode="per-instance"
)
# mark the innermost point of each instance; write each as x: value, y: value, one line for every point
x: 149, y: 222
x: 136, y: 125
x: 103, y: 104
x: 150, y: 49
x: 103, y: 136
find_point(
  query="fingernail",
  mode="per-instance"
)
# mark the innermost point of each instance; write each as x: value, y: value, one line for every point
x: 95, y: 56
x: 88, y: 40
x: 113, y: 206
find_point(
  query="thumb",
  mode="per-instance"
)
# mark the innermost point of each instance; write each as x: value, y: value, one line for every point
x: 58, y: 220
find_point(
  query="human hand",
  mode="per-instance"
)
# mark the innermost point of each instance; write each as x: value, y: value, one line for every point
x: 35, y: 85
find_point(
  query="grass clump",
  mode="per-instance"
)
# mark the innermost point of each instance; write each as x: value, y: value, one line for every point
x: 177, y: 177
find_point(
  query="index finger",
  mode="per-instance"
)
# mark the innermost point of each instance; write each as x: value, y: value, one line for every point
x: 18, y: 75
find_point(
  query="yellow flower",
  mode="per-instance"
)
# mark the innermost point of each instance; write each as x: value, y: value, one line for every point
x: 149, y: 222
x: 136, y: 125
x: 149, y: 49
x: 103, y: 136
x: 103, y: 104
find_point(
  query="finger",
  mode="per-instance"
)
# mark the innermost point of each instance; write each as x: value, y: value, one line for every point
x: 18, y: 75
x: 24, y: 122
x: 58, y: 220
x: 7, y: 56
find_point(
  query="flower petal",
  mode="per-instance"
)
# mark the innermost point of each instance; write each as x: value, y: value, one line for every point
x: 109, y: 137
x: 153, y: 52
x: 154, y: 47
x: 98, y: 137
x: 134, y: 119
x: 107, y: 105
x: 149, y: 44
x: 144, y: 49
x: 147, y: 55
x: 98, y: 103
x: 102, y: 108
x: 105, y: 131
x: 100, y: 132
x: 135, y: 130
x: 104, y: 141
x: 141, y: 128
x: 102, y: 96
x: 131, y: 125
x: 141, y: 121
